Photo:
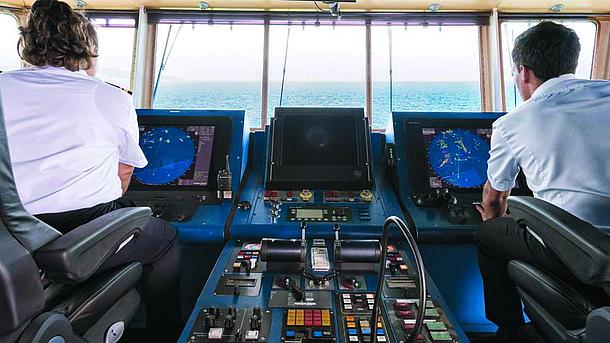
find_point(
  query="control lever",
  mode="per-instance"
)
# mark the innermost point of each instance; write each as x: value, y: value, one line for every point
x: 303, y: 234
x: 224, y: 179
x: 274, y: 212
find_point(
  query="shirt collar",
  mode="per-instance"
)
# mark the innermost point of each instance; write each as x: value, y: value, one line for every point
x: 552, y: 83
x: 61, y: 70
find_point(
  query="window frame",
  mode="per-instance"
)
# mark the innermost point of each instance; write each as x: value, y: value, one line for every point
x: 108, y: 15
x: 480, y: 20
x: 514, y: 17
x: 19, y: 16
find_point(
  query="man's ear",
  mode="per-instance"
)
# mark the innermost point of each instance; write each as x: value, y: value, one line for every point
x: 527, y: 74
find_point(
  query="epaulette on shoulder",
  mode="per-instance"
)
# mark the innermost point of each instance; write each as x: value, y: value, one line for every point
x: 121, y: 88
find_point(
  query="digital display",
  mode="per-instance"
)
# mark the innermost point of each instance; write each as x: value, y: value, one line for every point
x: 309, y: 213
x: 177, y: 155
x: 240, y: 282
x: 456, y: 157
x: 320, y: 140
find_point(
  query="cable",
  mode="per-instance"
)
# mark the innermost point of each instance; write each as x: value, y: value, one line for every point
x: 284, y: 70
x: 419, y: 263
x: 318, y: 6
x: 165, y: 57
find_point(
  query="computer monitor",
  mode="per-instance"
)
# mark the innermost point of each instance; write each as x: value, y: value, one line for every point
x: 183, y: 152
x: 448, y: 154
x: 319, y: 148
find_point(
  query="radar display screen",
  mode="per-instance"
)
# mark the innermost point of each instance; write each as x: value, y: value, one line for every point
x: 319, y: 148
x: 177, y: 155
x: 457, y: 158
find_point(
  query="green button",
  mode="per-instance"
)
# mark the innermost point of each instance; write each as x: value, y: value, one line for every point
x: 431, y: 313
x: 442, y: 336
x: 436, y: 326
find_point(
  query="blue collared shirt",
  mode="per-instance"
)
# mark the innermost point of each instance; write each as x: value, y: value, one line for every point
x: 560, y: 138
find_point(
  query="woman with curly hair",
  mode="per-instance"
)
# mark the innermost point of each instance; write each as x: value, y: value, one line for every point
x: 73, y: 141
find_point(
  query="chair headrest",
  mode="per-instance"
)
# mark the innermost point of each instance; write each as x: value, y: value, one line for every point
x: 583, y: 248
x: 27, y: 229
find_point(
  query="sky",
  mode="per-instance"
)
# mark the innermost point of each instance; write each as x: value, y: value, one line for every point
x: 323, y: 53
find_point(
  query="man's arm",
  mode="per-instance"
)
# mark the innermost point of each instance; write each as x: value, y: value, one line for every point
x: 125, y: 172
x: 494, y: 202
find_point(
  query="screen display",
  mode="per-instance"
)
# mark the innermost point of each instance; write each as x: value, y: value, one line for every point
x: 177, y: 155
x: 320, y: 140
x: 308, y: 213
x: 456, y: 157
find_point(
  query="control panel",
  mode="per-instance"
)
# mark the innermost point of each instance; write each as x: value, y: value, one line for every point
x: 316, y: 302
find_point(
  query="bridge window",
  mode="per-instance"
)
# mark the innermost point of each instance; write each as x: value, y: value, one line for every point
x: 9, y: 57
x: 325, y: 66
x: 205, y: 66
x: 433, y: 69
x: 116, y: 40
x: 511, y: 29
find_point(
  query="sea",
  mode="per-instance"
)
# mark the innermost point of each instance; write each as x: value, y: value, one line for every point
x: 462, y: 96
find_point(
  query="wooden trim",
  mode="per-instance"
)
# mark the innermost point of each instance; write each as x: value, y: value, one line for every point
x: 368, y: 90
x: 149, y: 69
x: 501, y: 65
x: 601, y: 57
x: 265, y: 83
x: 485, y: 70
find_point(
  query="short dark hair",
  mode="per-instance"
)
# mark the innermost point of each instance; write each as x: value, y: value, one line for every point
x: 548, y: 49
x: 56, y: 35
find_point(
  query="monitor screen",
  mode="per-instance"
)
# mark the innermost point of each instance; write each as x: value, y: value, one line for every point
x: 315, y: 141
x: 456, y: 157
x: 319, y: 148
x: 184, y: 153
x: 177, y: 155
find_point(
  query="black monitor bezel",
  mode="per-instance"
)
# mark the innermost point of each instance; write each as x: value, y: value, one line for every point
x: 416, y: 151
x: 336, y: 177
x: 220, y: 149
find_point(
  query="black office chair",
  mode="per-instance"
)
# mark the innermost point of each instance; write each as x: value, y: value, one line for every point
x: 50, y: 288
x: 559, y: 313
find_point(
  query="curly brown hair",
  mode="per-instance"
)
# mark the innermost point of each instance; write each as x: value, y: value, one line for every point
x: 56, y: 35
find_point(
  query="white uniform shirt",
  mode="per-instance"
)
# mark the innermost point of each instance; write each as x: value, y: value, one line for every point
x: 560, y: 138
x: 67, y: 133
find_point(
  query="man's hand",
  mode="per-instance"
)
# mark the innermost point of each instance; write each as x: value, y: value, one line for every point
x: 125, y: 172
x: 494, y: 203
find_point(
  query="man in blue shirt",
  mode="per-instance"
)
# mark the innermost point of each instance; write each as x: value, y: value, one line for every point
x: 559, y: 138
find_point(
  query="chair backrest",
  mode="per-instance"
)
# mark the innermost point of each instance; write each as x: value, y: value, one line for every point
x: 21, y: 292
x: 27, y: 229
x: 583, y: 248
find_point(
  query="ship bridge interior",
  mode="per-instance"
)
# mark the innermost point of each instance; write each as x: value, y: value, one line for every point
x: 323, y: 166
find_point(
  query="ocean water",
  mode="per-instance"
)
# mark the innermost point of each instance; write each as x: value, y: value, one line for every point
x: 407, y: 96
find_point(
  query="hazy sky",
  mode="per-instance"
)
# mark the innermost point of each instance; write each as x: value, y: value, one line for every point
x: 322, y: 53
x: 8, y: 43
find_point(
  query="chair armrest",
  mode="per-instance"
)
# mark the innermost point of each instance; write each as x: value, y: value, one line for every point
x: 583, y: 248
x: 598, y: 326
x: 75, y: 256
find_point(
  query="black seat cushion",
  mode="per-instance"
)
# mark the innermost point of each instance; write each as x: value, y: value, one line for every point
x: 560, y: 300
x: 88, y: 303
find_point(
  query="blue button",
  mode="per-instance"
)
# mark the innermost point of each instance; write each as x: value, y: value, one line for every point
x: 290, y: 333
x: 380, y: 332
x: 366, y: 331
x: 317, y: 333
x: 352, y: 331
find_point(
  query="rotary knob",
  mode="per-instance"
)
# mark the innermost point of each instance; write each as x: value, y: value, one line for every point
x: 306, y: 195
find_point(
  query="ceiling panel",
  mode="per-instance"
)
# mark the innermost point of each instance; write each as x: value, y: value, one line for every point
x: 541, y: 6
x: 544, y: 6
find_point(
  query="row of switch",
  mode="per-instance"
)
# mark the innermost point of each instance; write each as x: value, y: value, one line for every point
x: 317, y: 318
x: 357, y: 302
x: 359, y: 330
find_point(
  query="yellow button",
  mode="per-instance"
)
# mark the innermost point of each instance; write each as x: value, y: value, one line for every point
x: 290, y: 322
x: 300, y: 322
x: 350, y: 318
x: 379, y: 325
x: 325, y: 322
x: 351, y: 324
